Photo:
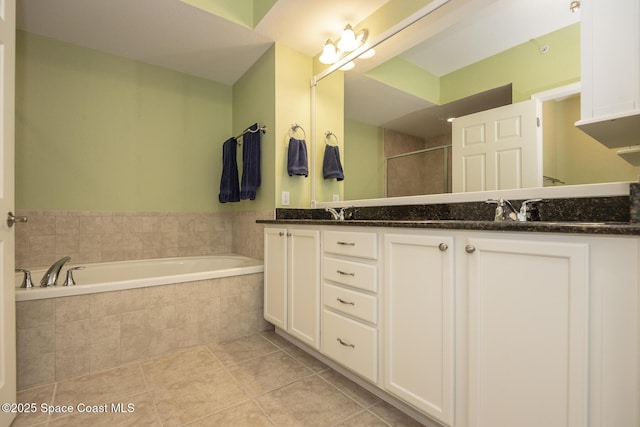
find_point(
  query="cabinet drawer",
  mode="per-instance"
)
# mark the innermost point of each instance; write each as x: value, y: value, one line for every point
x: 350, y: 302
x: 351, y: 343
x: 361, y: 245
x: 362, y: 276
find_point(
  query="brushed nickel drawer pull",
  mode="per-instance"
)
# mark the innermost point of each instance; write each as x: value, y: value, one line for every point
x: 340, y: 300
x: 346, y: 243
x: 346, y: 344
x: 344, y: 273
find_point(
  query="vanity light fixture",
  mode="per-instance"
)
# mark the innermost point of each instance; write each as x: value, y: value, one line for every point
x: 348, y: 42
x: 348, y: 66
x: 574, y: 6
x: 329, y: 53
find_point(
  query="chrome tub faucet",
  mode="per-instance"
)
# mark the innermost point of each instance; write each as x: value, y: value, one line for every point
x: 51, y: 276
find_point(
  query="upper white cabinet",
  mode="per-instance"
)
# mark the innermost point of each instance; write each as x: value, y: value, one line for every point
x: 419, y: 306
x: 610, y: 56
x: 292, y: 282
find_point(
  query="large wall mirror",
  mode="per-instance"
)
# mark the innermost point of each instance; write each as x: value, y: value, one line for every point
x: 460, y: 60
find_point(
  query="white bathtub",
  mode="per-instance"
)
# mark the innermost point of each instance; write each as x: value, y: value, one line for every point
x: 114, y: 276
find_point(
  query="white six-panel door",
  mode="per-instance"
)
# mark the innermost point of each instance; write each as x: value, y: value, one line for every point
x: 498, y: 149
x: 7, y: 302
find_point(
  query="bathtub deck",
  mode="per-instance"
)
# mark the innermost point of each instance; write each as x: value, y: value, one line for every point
x: 255, y: 380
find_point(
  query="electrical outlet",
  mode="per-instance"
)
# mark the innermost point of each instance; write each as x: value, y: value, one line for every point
x: 285, y: 198
x: 336, y: 197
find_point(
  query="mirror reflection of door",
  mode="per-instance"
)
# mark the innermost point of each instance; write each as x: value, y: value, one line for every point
x: 498, y: 149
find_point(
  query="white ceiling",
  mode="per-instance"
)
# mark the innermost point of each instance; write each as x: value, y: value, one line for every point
x: 498, y: 26
x: 178, y: 36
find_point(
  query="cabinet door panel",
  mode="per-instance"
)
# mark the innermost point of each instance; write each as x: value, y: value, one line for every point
x: 419, y: 322
x: 304, y: 285
x: 275, y: 276
x: 528, y: 333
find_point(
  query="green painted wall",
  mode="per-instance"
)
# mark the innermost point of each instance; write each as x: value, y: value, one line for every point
x: 330, y: 117
x: 364, y: 160
x: 244, y: 12
x: 524, y: 66
x: 408, y: 77
x: 293, y: 105
x: 573, y: 156
x: 100, y: 132
x: 254, y: 97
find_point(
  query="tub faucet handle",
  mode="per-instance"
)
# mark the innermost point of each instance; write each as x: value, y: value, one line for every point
x: 69, y: 280
x: 26, y: 281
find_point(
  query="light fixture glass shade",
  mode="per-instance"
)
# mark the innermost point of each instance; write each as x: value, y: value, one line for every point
x: 368, y: 53
x: 574, y: 6
x: 348, y: 42
x: 329, y: 53
x: 348, y: 66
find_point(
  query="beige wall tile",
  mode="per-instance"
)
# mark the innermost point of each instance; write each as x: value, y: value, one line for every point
x: 37, y: 340
x: 70, y: 309
x: 186, y: 313
x: 134, y: 347
x: 72, y: 362
x: 161, y: 295
x: 105, y: 329
x: 105, y: 304
x: 134, y: 300
x: 86, y: 339
x: 162, y: 341
x: 134, y: 323
x: 208, y: 331
x: 35, y: 313
x: 187, y: 335
x: 162, y: 317
x: 72, y: 335
x: 104, y: 355
x: 35, y: 370
x: 209, y: 309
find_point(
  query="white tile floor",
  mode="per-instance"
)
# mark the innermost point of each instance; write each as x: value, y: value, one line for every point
x: 257, y: 380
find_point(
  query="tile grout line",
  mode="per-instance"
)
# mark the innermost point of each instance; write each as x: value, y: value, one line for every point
x: 149, y: 391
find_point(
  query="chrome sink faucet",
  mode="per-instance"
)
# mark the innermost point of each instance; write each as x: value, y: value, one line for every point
x: 51, y: 276
x: 504, y: 210
x: 529, y: 210
x: 337, y: 215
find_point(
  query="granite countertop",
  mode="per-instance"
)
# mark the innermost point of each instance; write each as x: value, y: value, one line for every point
x: 619, y: 215
x: 611, y: 228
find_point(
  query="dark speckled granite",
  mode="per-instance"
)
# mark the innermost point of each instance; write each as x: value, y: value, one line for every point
x: 634, y: 200
x: 597, y: 209
x: 619, y: 215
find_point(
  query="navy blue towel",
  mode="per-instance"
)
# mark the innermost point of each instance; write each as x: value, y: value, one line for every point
x: 250, y: 163
x: 229, y: 185
x: 331, y: 166
x: 297, y: 161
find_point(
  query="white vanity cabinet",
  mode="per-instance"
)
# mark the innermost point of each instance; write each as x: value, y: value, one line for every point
x: 610, y: 64
x: 292, y: 281
x: 350, y: 300
x: 468, y: 328
x: 547, y: 331
x: 419, y: 321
